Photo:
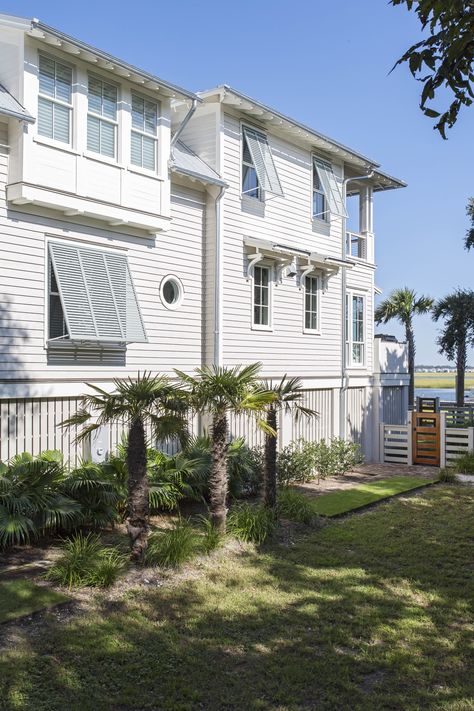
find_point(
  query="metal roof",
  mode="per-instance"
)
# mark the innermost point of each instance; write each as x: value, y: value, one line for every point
x: 186, y: 162
x: 9, y: 106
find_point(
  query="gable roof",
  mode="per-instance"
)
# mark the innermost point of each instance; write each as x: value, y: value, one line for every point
x: 9, y: 106
x: 186, y: 162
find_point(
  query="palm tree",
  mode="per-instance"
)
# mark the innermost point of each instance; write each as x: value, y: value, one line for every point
x: 403, y: 305
x: 219, y: 391
x: 288, y: 396
x: 152, y: 400
x: 457, y: 334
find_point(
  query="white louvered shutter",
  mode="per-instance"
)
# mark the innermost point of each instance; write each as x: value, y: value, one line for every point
x: 97, y: 294
x: 264, y: 164
x: 331, y: 188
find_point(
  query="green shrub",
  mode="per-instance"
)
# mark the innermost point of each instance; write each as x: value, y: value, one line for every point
x: 295, y: 506
x: 344, y: 455
x: 303, y: 461
x: 464, y: 464
x: 172, y: 548
x: 211, y: 538
x: 447, y: 475
x: 251, y: 523
x: 85, y: 562
x: 98, y: 494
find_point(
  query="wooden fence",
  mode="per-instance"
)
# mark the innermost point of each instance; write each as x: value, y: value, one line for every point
x: 395, y: 444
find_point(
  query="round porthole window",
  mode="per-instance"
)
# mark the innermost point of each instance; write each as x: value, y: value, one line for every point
x: 171, y: 292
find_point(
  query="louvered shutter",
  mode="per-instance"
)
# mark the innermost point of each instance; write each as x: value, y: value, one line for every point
x: 97, y: 294
x: 331, y: 188
x: 263, y: 162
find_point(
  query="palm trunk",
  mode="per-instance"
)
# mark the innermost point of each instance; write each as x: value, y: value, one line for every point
x: 138, y: 506
x: 218, y: 475
x: 269, y: 473
x: 410, y: 336
x: 461, y: 358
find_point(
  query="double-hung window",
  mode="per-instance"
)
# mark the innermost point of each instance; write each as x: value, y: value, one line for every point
x: 102, y: 117
x: 250, y: 184
x: 261, y: 297
x: 143, y: 139
x: 54, y: 100
x: 311, y: 303
x: 355, y: 329
x: 259, y: 173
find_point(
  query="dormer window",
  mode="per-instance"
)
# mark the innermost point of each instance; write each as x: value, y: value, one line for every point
x: 143, y: 138
x: 102, y: 117
x: 54, y: 100
x: 259, y: 174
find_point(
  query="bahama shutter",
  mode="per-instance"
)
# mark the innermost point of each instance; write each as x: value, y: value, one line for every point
x: 331, y: 188
x: 263, y: 162
x: 97, y: 294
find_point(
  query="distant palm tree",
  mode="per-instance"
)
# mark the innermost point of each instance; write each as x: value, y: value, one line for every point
x: 457, y: 334
x: 219, y: 391
x: 403, y: 305
x: 152, y: 400
x: 288, y: 396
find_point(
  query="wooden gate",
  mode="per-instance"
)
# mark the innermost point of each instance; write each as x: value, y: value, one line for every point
x: 426, y: 438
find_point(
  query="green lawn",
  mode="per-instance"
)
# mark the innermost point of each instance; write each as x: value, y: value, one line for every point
x: 21, y: 597
x: 339, y: 502
x: 369, y: 613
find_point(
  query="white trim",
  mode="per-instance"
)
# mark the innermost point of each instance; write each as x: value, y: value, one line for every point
x: 177, y: 281
x: 351, y: 364
x: 257, y: 326
x: 312, y: 331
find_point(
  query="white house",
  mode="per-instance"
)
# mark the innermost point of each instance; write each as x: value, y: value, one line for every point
x: 145, y: 227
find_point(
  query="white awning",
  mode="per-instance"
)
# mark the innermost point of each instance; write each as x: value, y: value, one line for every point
x: 331, y: 187
x: 97, y: 294
x: 263, y: 162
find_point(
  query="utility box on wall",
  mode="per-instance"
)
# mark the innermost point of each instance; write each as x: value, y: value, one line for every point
x: 97, y: 448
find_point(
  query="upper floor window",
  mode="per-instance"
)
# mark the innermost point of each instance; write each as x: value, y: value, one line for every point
x: 320, y: 210
x: 259, y: 174
x: 355, y: 329
x: 102, y: 117
x: 328, y: 199
x: 311, y: 303
x: 261, y: 296
x: 54, y: 100
x: 143, y: 138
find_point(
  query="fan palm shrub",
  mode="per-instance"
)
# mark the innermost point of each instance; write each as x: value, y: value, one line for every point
x: 152, y: 400
x: 403, y: 305
x: 98, y: 494
x: 219, y: 391
x: 32, y: 502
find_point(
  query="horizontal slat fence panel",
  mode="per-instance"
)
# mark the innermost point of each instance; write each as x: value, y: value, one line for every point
x: 395, y: 444
x: 458, y: 441
x: 458, y: 416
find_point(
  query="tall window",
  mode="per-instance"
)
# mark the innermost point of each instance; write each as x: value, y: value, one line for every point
x: 56, y: 324
x: 311, y: 287
x: 355, y: 329
x: 54, y: 100
x: 250, y: 184
x: 320, y: 211
x: 102, y: 117
x: 143, y: 139
x: 261, y: 296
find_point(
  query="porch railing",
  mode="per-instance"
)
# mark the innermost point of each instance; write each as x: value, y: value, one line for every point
x: 356, y: 245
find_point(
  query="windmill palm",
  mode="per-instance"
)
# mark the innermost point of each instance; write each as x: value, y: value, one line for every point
x: 219, y: 391
x: 288, y: 398
x: 457, y: 334
x: 146, y: 400
x: 402, y: 305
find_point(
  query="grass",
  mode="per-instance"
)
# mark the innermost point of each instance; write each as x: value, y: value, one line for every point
x: 339, y: 502
x: 441, y: 380
x: 22, y: 597
x: 370, y: 612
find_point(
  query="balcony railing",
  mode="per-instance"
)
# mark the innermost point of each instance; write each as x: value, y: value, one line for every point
x: 356, y: 245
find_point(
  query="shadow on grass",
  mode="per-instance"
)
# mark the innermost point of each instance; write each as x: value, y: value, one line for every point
x: 374, y: 612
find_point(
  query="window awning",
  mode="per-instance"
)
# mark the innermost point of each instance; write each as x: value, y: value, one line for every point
x: 97, y: 294
x: 263, y: 162
x: 331, y: 188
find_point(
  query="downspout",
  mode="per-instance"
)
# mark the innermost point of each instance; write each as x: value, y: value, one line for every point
x: 182, y: 126
x: 343, y: 390
x: 218, y: 284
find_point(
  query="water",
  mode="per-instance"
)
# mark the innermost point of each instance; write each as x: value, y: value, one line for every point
x: 444, y: 394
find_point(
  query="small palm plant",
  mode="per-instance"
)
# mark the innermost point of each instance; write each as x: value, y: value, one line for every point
x: 403, y: 305
x: 148, y: 399
x: 219, y: 391
x: 288, y: 394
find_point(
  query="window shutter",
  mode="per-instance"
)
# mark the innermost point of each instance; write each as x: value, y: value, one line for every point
x: 264, y: 164
x: 61, y: 123
x: 331, y: 188
x: 136, y: 149
x: 97, y: 294
x: 45, y: 117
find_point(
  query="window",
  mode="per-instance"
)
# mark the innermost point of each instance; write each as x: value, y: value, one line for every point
x: 92, y: 296
x: 311, y: 298
x: 102, y: 117
x: 54, y: 100
x: 171, y: 292
x: 330, y: 188
x: 143, y: 139
x: 261, y: 296
x: 320, y: 210
x: 355, y: 329
x: 259, y: 174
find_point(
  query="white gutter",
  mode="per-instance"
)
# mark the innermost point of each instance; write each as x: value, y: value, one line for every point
x: 343, y: 390
x: 218, y: 286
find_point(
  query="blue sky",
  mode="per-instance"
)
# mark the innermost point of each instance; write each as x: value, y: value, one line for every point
x: 327, y: 65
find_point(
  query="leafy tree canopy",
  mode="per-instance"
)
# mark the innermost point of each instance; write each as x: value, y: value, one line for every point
x: 469, y: 241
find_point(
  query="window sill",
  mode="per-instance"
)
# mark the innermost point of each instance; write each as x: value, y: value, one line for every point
x: 143, y: 171
x: 84, y: 345
x: 312, y: 332
x: 90, y: 155
x: 267, y: 329
x: 58, y: 145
